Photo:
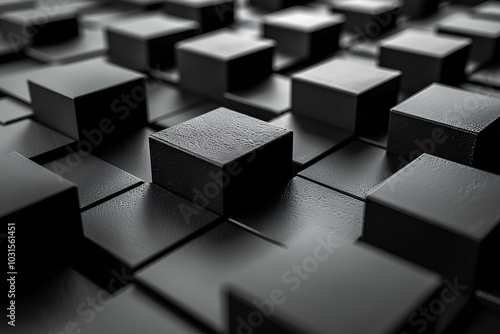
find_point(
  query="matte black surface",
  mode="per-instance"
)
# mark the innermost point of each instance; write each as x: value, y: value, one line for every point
x: 100, y: 101
x: 425, y: 58
x: 344, y: 94
x: 29, y: 191
x: 202, y: 269
x: 452, y: 123
x: 354, y: 169
x: 188, y: 266
x: 141, y: 224
x: 301, y: 206
x: 216, y: 160
x: 130, y: 154
x: 210, y: 14
x: 310, y: 139
x: 12, y: 111
x: 39, y: 26
x: 147, y: 41
x: 302, y: 32
x: 95, y: 178
x: 441, y: 215
x: 321, y: 285
x: 215, y: 63
x: 31, y: 139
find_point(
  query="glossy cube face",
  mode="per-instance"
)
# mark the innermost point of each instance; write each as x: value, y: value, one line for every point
x: 448, y: 122
x: 95, y: 98
x: 424, y: 58
x: 220, y: 154
x: 341, y: 93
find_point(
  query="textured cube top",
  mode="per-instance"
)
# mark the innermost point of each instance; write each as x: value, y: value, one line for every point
x: 23, y: 183
x: 153, y: 26
x: 425, y: 43
x: 452, y: 195
x: 303, y: 19
x: 224, y: 45
x: 221, y: 136
x: 372, y: 7
x: 345, y: 76
x: 26, y: 17
x: 453, y: 107
x: 472, y: 26
x: 198, y: 3
x: 86, y: 77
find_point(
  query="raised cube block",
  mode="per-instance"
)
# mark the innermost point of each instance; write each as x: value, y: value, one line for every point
x: 40, y: 212
x: 485, y: 36
x: 210, y: 14
x: 344, y: 94
x: 215, y: 63
x: 441, y: 215
x: 323, y: 286
x: 39, y: 26
x: 425, y: 58
x: 90, y: 100
x: 304, y: 33
x: 148, y: 41
x: 448, y: 122
x: 216, y: 160
x: 368, y: 18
